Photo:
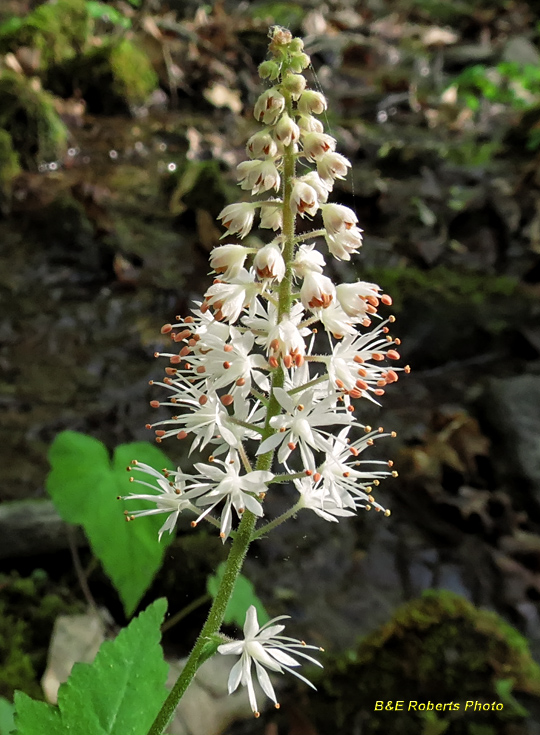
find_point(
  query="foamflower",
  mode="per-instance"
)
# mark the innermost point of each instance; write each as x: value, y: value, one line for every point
x: 264, y: 648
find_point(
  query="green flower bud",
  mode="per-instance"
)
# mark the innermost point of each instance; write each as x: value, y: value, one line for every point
x: 296, y: 45
x: 269, y: 70
x: 299, y: 62
x: 295, y: 84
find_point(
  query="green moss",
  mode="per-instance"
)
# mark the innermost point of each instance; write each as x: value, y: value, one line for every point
x: 28, y: 609
x: 9, y: 163
x: 29, y: 116
x: 441, y: 284
x: 57, y: 30
x: 439, y: 648
x: 133, y: 75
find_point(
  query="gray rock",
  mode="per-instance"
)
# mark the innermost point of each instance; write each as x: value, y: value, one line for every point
x: 512, y: 409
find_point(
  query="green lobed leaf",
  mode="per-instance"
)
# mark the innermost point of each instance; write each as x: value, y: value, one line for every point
x: 84, y: 486
x: 242, y: 597
x: 119, y: 693
x: 7, y: 723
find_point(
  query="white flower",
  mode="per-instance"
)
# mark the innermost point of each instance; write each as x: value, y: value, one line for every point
x: 239, y: 491
x: 272, y: 215
x: 316, y: 145
x: 315, y: 181
x: 332, y: 166
x: 229, y: 259
x: 171, y: 497
x: 269, y: 262
x: 335, y: 320
x: 312, y: 102
x: 230, y: 365
x: 358, y: 299
x: 304, y: 199
x: 261, y: 144
x: 317, y: 291
x: 269, y: 106
x: 279, y: 338
x: 337, y: 218
x: 313, y: 495
x: 346, y: 478
x: 310, y: 124
x: 266, y: 649
x: 258, y: 176
x: 308, y: 260
x: 345, y: 243
x: 238, y: 218
x: 230, y: 297
x: 206, y: 419
x: 286, y: 130
x: 356, y: 364
x: 298, y: 425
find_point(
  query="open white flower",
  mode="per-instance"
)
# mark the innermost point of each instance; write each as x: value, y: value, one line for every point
x: 266, y: 649
x: 171, y: 496
x: 239, y: 491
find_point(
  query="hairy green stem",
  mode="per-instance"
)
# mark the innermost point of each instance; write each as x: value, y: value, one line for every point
x: 277, y: 521
x: 245, y: 531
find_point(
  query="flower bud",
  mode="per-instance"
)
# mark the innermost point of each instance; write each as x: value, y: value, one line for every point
x: 307, y: 260
x: 310, y: 124
x: 286, y: 130
x: 316, y: 145
x: 269, y: 263
x: 269, y: 70
x: 238, y: 218
x: 315, y: 181
x: 296, y: 45
x: 300, y: 62
x: 272, y: 216
x: 304, y: 199
x: 336, y: 218
x: 295, y: 84
x: 228, y: 259
x: 344, y: 243
x: 258, y: 175
x: 332, y: 166
x: 317, y: 291
x: 269, y: 106
x: 312, y: 102
x: 261, y: 144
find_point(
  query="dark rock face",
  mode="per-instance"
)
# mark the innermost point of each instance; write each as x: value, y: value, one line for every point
x: 512, y: 410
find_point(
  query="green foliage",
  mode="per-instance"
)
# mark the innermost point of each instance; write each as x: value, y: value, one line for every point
x: 28, y: 114
x: 515, y: 85
x: 119, y: 693
x: 438, y: 648
x: 289, y: 15
x: 7, y: 723
x: 242, y: 597
x: 84, y: 485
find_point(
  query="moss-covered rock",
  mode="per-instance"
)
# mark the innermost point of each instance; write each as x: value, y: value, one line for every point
x: 28, y: 114
x: 437, y: 649
x: 28, y: 609
x: 59, y: 31
x: 9, y: 165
